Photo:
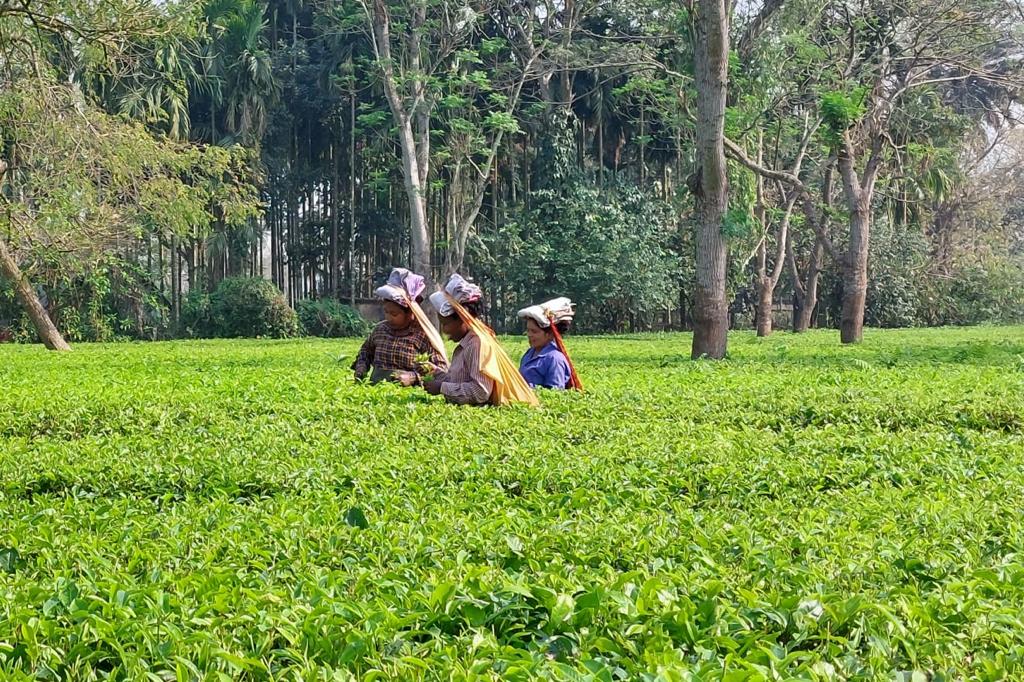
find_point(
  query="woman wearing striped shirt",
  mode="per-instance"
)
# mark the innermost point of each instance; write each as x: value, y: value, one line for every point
x: 463, y: 383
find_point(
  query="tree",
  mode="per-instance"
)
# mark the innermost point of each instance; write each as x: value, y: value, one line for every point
x: 875, y: 59
x: 9, y: 269
x: 611, y: 249
x: 406, y: 88
x: 767, y: 280
x: 249, y: 83
x: 710, y: 182
x: 435, y: 58
x: 81, y: 184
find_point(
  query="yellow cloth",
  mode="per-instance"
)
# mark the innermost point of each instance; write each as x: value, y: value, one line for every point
x: 509, y: 385
x: 432, y: 334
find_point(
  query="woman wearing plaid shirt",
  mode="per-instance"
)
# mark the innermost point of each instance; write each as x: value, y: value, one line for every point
x: 393, y: 345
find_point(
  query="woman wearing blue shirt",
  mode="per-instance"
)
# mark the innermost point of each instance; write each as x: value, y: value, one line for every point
x: 545, y: 364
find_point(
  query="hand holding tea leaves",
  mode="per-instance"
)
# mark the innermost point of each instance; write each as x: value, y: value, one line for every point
x: 425, y: 367
x: 405, y: 378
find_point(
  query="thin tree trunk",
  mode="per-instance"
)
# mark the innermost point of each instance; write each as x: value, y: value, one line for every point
x: 806, y: 294
x: 415, y: 153
x: 175, y: 291
x: 271, y: 218
x: 495, y: 190
x: 711, y: 316
x: 47, y: 330
x: 160, y: 266
x: 335, y: 282
x: 643, y: 147
x: 810, y: 299
x: 352, y: 198
x: 763, y: 312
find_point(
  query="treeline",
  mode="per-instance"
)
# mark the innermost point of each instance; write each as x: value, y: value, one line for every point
x: 544, y: 148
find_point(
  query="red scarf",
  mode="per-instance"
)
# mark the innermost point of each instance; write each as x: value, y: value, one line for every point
x: 574, y: 379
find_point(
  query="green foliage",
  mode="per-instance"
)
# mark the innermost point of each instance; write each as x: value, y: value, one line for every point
x: 611, y: 249
x: 500, y: 120
x: 251, y: 307
x: 841, y: 110
x: 330, y: 318
x: 739, y: 222
x: 104, y: 301
x: 986, y: 292
x: 242, y: 510
x: 904, y: 292
x: 896, y: 264
x: 196, y: 318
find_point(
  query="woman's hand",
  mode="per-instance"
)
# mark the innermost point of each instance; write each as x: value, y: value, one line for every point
x: 433, y: 387
x: 405, y: 378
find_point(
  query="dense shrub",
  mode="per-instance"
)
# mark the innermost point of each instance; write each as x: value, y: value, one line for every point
x: 251, y: 307
x: 804, y: 511
x: 612, y: 249
x: 330, y: 318
x: 904, y: 292
x: 992, y: 292
x: 196, y: 319
x: 897, y: 262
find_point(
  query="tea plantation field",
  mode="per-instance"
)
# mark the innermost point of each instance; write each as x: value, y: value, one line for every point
x: 241, y: 510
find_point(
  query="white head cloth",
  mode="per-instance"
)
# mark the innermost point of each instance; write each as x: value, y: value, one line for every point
x: 458, y: 288
x: 402, y: 286
x: 556, y: 310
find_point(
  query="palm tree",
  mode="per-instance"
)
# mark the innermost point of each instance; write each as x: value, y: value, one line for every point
x: 159, y: 94
x: 250, y: 86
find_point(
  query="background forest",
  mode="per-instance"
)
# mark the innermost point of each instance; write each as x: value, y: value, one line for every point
x: 164, y: 164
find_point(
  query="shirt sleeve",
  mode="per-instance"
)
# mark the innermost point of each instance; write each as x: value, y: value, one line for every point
x: 365, y: 357
x: 558, y: 372
x: 477, y: 389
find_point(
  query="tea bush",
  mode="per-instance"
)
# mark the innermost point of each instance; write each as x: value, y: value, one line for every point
x: 242, y: 510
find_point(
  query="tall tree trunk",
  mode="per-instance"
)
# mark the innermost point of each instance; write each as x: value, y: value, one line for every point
x: 806, y: 292
x: 334, y: 280
x: 858, y: 192
x: 643, y: 147
x: 352, y: 197
x: 415, y: 153
x: 767, y: 280
x: 47, y: 330
x: 711, y: 313
x: 415, y: 191
x: 495, y: 192
x: 765, y: 300
x: 855, y: 275
x: 175, y: 293
x: 762, y: 283
x: 810, y: 297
